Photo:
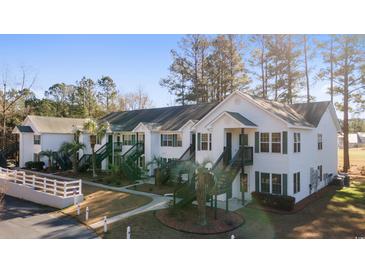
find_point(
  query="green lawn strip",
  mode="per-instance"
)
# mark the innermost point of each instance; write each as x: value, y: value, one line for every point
x: 336, y: 214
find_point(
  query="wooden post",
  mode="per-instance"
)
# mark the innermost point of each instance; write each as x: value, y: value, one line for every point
x: 105, y: 225
x: 87, y: 214
x: 80, y: 186
x: 33, y: 181
x: 128, y: 232
x: 23, y: 178
x: 64, y: 189
x: 55, y: 187
x: 44, y: 184
x: 78, y: 209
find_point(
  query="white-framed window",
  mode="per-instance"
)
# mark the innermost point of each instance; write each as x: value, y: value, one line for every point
x: 276, y: 184
x: 171, y: 140
x: 204, y: 141
x: 37, y: 139
x: 264, y: 142
x: 296, y: 182
x: 296, y: 142
x: 129, y: 139
x: 265, y: 182
x: 320, y: 142
x: 276, y: 142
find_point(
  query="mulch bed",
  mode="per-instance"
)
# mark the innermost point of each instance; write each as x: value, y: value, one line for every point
x: 299, y: 206
x: 186, y: 220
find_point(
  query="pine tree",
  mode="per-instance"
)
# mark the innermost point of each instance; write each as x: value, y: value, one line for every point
x: 349, y: 81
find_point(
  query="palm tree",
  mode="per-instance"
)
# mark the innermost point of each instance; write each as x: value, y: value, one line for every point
x: 49, y: 154
x: 71, y: 149
x: 96, y: 131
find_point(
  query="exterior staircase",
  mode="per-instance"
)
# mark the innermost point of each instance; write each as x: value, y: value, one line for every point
x: 85, y: 161
x: 129, y: 162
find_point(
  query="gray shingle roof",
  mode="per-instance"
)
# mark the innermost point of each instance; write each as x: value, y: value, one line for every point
x: 283, y: 111
x: 312, y: 112
x: 167, y: 118
x: 25, y: 129
x: 241, y: 119
x: 45, y: 124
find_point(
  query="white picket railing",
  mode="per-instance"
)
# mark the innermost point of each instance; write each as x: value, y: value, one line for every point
x: 58, y: 188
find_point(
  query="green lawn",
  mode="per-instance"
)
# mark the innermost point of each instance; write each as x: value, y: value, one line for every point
x: 336, y: 214
x: 357, y: 159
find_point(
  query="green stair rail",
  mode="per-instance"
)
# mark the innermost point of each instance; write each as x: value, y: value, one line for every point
x: 104, y: 151
x: 129, y: 163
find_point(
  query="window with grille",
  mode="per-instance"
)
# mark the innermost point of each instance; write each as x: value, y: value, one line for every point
x: 206, y: 141
x: 296, y: 181
x: 320, y: 143
x: 276, y: 184
x: 129, y: 139
x: 276, y: 142
x: 265, y: 182
x: 264, y: 142
x: 171, y: 140
x: 296, y: 142
x: 37, y: 139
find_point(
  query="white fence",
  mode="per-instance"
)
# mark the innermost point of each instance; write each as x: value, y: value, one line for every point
x: 41, y: 190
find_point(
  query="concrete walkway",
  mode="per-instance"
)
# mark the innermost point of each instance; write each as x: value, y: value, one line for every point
x: 158, y: 201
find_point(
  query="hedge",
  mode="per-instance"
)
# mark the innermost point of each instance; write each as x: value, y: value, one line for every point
x: 34, y: 165
x: 281, y: 202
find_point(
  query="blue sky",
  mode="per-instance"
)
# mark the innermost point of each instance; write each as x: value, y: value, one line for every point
x: 133, y: 61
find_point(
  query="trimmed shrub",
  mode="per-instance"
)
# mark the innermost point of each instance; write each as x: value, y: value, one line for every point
x: 281, y: 202
x: 34, y: 165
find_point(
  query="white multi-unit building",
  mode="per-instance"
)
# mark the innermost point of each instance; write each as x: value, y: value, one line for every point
x: 286, y: 149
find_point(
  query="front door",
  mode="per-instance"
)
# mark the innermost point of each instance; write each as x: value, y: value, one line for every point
x: 243, y: 139
x: 229, y: 146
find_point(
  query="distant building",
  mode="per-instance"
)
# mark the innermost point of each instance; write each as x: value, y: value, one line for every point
x: 355, y: 140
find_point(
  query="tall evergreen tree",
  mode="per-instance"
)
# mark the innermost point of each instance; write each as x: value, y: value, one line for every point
x: 108, y: 93
x: 349, y: 81
x: 327, y: 48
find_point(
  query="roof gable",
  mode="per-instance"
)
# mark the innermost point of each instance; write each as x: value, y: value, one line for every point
x: 60, y: 125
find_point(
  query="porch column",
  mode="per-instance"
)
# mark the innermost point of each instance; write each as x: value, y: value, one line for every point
x: 243, y: 165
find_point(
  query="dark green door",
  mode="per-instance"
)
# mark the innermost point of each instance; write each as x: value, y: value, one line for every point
x: 243, y: 139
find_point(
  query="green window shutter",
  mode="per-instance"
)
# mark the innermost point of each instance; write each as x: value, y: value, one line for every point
x: 161, y: 139
x: 210, y: 141
x: 285, y: 142
x: 174, y: 140
x: 198, y: 141
x: 285, y: 184
x: 257, y: 181
x: 257, y: 142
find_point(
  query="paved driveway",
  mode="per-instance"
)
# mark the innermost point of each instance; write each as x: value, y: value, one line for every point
x: 21, y: 219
